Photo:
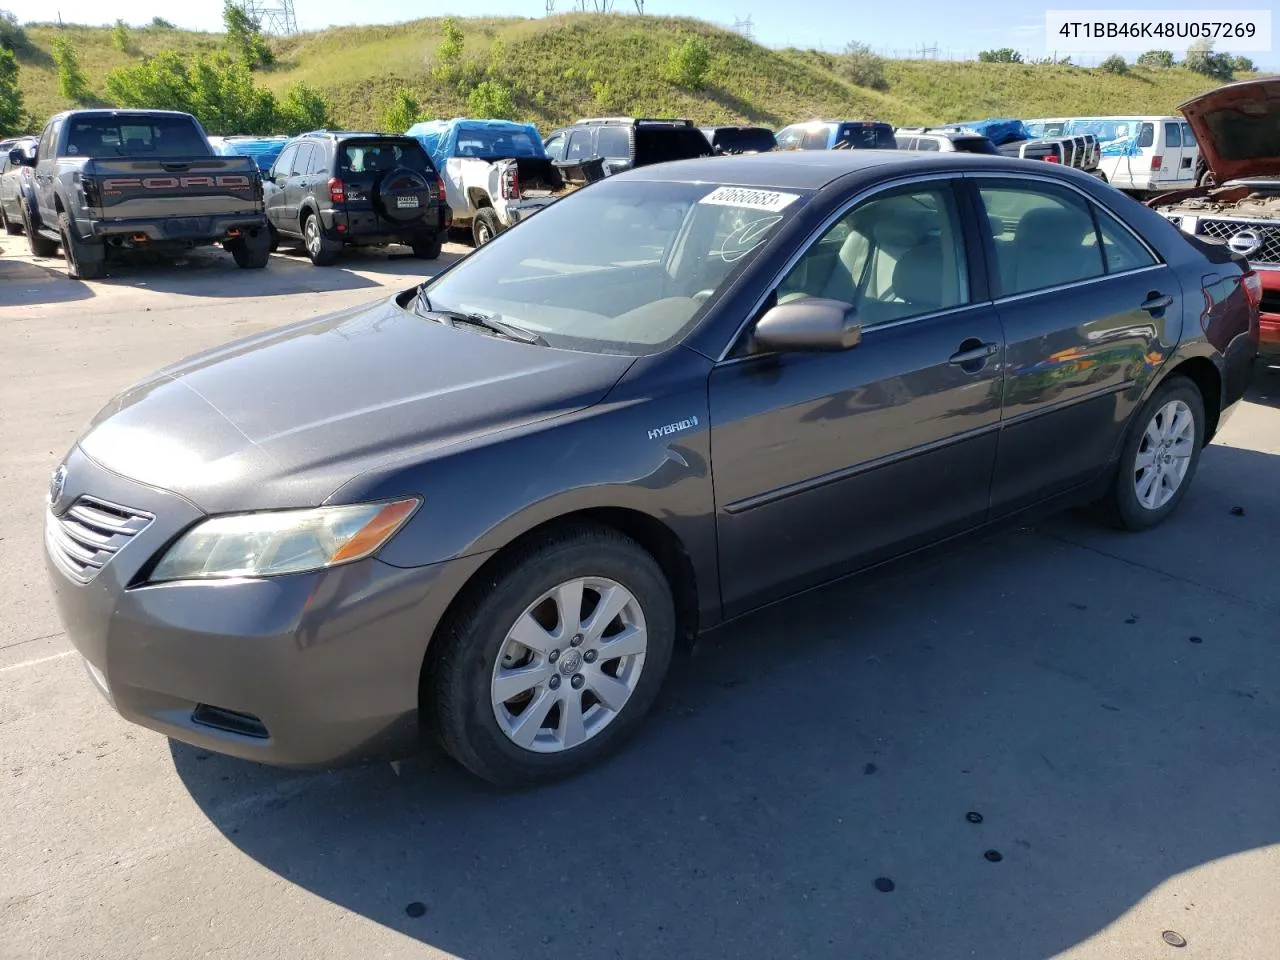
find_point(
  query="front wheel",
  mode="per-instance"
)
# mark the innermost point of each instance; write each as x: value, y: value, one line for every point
x: 1159, y: 457
x: 41, y: 246
x: 556, y: 661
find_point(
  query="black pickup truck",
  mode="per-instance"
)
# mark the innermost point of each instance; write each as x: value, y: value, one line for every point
x: 114, y: 181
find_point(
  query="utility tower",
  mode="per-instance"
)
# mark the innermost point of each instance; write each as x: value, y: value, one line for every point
x: 744, y: 26
x: 273, y: 16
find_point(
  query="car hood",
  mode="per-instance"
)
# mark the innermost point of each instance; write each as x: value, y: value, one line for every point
x: 285, y: 418
x: 1238, y: 128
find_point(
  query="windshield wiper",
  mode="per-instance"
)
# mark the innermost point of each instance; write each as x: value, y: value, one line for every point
x: 451, y: 318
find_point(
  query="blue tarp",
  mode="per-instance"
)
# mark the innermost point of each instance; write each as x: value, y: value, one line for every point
x: 1117, y: 137
x: 264, y: 150
x: 487, y: 139
x: 998, y: 131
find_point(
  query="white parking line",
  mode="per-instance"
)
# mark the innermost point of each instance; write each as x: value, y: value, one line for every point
x: 32, y: 663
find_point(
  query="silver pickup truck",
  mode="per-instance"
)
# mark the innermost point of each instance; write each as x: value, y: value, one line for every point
x: 108, y: 182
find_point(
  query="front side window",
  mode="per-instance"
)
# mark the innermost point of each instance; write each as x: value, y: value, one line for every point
x: 789, y: 137
x: 623, y: 267
x: 555, y: 147
x: 285, y: 160
x: 1043, y: 235
x: 302, y: 162
x: 893, y: 257
x: 579, y: 146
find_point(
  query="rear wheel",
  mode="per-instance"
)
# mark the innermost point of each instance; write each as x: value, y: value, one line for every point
x: 11, y: 228
x: 556, y: 662
x: 275, y: 238
x: 427, y: 247
x: 486, y: 226
x: 322, y: 251
x: 251, y: 251
x: 85, y: 261
x: 41, y: 246
x: 1159, y: 457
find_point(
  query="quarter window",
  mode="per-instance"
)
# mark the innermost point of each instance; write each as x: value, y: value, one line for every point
x: 896, y: 256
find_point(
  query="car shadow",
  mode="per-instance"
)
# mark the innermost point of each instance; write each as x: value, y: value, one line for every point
x: 1264, y: 388
x: 805, y: 785
x: 26, y: 283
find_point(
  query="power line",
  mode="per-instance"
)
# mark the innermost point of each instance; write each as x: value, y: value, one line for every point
x: 272, y: 16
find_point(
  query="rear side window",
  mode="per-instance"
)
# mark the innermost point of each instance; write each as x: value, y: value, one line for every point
x: 975, y: 145
x: 816, y: 139
x: 660, y: 144
x: 612, y: 142
x: 1147, y: 135
x: 877, y: 136
x: 1043, y: 237
x: 1173, y: 134
x: 137, y: 135
x: 928, y: 143
x: 1120, y: 249
x: 375, y: 156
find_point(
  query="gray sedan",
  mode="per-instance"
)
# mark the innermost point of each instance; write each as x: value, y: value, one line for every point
x: 490, y: 508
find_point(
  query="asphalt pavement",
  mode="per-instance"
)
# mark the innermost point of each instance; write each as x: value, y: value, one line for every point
x: 1057, y: 741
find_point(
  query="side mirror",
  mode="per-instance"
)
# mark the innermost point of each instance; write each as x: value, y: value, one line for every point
x: 18, y: 157
x: 811, y: 325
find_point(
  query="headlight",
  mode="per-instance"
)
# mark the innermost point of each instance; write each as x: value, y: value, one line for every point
x: 282, y: 541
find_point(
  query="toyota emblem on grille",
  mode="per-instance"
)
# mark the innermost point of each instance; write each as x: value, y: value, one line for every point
x: 1245, y: 242
x: 56, y: 484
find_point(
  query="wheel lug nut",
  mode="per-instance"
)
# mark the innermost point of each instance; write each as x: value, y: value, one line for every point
x: 589, y: 656
x: 576, y: 641
x: 553, y: 656
x: 577, y: 681
x: 554, y: 683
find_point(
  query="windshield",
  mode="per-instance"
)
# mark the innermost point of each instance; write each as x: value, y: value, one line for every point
x: 621, y: 267
x: 122, y: 135
x: 496, y: 144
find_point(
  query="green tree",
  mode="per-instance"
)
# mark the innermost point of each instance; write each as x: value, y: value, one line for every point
x: 862, y: 66
x: 1114, y: 64
x: 160, y: 23
x: 303, y: 108
x: 244, y: 37
x: 403, y: 113
x: 1241, y: 64
x: 491, y: 100
x: 120, y: 37
x: 1156, y: 59
x: 687, y: 65
x: 1201, y: 58
x: 450, y: 49
x: 162, y: 82
x: 12, y: 116
x: 1001, y: 55
x: 12, y: 36
x: 71, y: 82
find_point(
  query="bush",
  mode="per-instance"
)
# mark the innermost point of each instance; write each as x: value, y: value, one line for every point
x: 451, y: 47
x: 860, y: 66
x: 1242, y: 65
x: 1114, y: 64
x: 687, y: 65
x: 1156, y: 59
x: 12, y: 36
x: 1002, y: 55
x: 492, y: 101
x: 12, y: 117
x: 1201, y: 58
x: 303, y: 108
x: 403, y: 113
x: 71, y: 82
x: 120, y: 37
x: 160, y: 23
x: 244, y: 37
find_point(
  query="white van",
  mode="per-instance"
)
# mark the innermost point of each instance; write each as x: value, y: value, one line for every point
x: 1139, y: 154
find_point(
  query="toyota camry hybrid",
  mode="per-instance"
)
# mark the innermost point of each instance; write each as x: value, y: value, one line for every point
x: 489, y: 508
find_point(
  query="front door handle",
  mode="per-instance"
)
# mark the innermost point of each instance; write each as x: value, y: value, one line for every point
x: 973, y: 351
x: 1156, y: 301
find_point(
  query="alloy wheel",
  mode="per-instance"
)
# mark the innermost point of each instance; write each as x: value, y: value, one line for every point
x: 569, y: 664
x: 1164, y: 455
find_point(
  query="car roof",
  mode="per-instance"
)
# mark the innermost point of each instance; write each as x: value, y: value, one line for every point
x: 814, y: 169
x: 122, y: 111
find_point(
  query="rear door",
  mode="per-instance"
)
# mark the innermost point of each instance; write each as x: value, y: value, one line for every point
x: 1169, y: 149
x: 1190, y: 154
x: 1089, y: 313
x: 295, y: 182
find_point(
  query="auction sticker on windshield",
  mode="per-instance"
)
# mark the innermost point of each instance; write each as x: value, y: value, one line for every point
x: 770, y: 200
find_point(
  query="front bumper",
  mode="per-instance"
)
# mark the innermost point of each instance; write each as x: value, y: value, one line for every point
x: 307, y: 670
x: 173, y: 231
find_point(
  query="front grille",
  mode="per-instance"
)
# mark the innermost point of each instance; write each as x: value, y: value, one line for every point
x: 90, y: 533
x: 1220, y: 231
x: 1176, y: 221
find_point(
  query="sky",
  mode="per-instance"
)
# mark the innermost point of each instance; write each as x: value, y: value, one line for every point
x: 954, y: 28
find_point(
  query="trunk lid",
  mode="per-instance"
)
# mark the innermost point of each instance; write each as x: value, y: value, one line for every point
x: 1238, y: 128
x: 174, y: 186
x: 390, y: 177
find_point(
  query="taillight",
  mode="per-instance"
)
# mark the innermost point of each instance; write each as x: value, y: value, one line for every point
x: 1157, y: 162
x: 1052, y: 158
x: 92, y: 197
x: 1252, y: 284
x: 337, y: 193
x: 510, y: 184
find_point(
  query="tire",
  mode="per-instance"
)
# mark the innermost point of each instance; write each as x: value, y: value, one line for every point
x: 485, y: 227
x: 322, y: 251
x: 1122, y: 506
x: 41, y: 246
x: 85, y: 261
x: 275, y: 238
x: 1207, y: 179
x: 251, y: 252
x: 475, y: 647
x: 11, y: 228
x: 427, y: 248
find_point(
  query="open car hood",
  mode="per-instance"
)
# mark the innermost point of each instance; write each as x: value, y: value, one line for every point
x: 1238, y: 128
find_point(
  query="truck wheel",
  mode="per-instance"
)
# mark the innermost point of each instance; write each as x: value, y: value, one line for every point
x: 486, y: 226
x: 85, y: 261
x: 427, y: 247
x: 41, y: 246
x: 322, y: 251
x: 251, y: 252
x: 275, y: 238
x: 11, y: 228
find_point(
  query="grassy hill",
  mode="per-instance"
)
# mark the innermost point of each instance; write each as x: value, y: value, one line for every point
x: 562, y: 67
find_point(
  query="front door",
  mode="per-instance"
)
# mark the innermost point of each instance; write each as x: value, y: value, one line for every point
x: 827, y: 462
x: 275, y: 196
x: 1089, y: 313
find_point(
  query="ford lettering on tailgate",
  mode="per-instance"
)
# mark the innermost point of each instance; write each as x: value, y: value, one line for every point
x: 117, y: 185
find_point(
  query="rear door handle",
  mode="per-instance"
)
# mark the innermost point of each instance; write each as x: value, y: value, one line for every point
x: 975, y: 354
x: 1156, y: 301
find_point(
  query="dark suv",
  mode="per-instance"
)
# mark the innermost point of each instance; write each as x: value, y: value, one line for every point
x: 333, y: 189
x: 626, y: 142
